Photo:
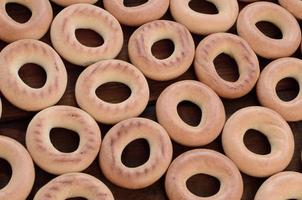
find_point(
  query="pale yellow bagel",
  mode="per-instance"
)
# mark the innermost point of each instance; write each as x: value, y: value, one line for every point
x: 207, y: 162
x: 85, y: 16
x: 34, y: 28
x: 137, y: 15
x: 18, y: 53
x: 73, y: 185
x: 23, y: 171
x: 117, y: 139
x: 281, y: 186
x: 70, y: 2
x: 46, y: 155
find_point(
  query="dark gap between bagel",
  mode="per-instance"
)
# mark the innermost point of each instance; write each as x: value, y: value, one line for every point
x: 29, y: 70
x: 77, y: 198
x: 122, y: 92
x: 203, y: 6
x: 64, y: 140
x: 269, y: 29
x: 89, y: 38
x: 257, y: 142
x: 18, y: 12
x: 133, y: 3
x: 163, y: 49
x: 5, y: 173
x: 226, y: 67
x: 136, y: 153
x: 198, y: 182
x: 287, y: 89
x: 189, y: 112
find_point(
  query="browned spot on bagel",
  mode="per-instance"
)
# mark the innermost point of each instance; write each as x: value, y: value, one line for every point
x: 66, y: 159
x: 38, y: 140
x: 54, y: 188
x: 88, y: 146
x: 66, y: 182
x: 41, y: 147
x: 47, y: 195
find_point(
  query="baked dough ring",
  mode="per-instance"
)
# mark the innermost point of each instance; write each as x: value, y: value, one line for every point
x: 204, y: 24
x: 266, y: 87
x: 263, y: 45
x: 144, y: 37
x: 23, y: 172
x: 273, y: 126
x: 137, y: 15
x: 34, y: 28
x: 74, y: 185
x: 208, y: 162
x: 46, y: 155
x: 66, y: 3
x: 213, y: 113
x: 293, y: 6
x: 119, y: 136
x: 248, y: 66
x: 112, y: 71
x: 18, y: 53
x: 284, y: 185
x: 85, y: 16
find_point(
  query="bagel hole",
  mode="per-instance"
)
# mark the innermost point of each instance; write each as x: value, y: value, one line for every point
x: 133, y: 3
x: 89, y: 38
x: 189, y: 112
x: 257, y: 142
x: 203, y: 185
x: 121, y: 92
x: 163, y: 49
x: 77, y: 198
x: 18, y: 12
x: 226, y: 67
x: 64, y: 140
x: 33, y: 75
x: 5, y: 173
x: 136, y: 153
x: 287, y: 89
x: 203, y: 6
x: 269, y: 29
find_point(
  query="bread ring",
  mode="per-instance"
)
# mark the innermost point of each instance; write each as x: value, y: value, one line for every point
x: 138, y: 15
x: 18, y: 53
x: 144, y: 37
x: 66, y: 3
x: 284, y: 185
x: 46, y: 155
x: 266, y: 87
x: 263, y: 45
x: 122, y: 134
x: 74, y: 185
x: 85, y: 16
x: 23, y: 172
x: 273, y: 126
x: 205, y: 24
x: 293, y: 6
x: 34, y: 28
x: 112, y: 71
x: 213, y: 45
x: 213, y: 113
x: 208, y: 162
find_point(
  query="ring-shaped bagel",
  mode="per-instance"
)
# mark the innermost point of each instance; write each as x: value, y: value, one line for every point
x: 23, y: 171
x: 21, y: 52
x: 213, y: 113
x: 34, y: 28
x: 66, y: 3
x: 263, y: 45
x: 46, y: 155
x: 207, y: 162
x: 85, y: 16
x: 112, y: 71
x: 248, y: 66
x: 270, y: 76
x: 204, y: 24
x: 269, y: 123
x: 142, y: 40
x: 284, y: 185
x: 137, y: 15
x: 121, y: 135
x: 73, y: 185
x: 293, y: 6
